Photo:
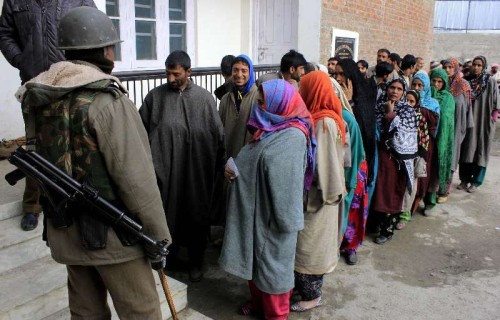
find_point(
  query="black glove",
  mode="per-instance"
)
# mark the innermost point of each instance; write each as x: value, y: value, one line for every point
x: 157, y: 254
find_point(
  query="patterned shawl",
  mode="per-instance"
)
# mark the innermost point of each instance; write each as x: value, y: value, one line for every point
x: 426, y: 99
x: 401, y: 136
x: 423, y: 128
x: 458, y: 84
x: 320, y: 98
x: 283, y: 108
x: 478, y: 84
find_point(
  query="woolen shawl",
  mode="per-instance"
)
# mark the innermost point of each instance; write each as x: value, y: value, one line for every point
x: 402, y: 134
x: 458, y: 85
x: 478, y: 84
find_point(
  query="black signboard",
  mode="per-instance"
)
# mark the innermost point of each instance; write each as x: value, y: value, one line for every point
x: 344, y: 47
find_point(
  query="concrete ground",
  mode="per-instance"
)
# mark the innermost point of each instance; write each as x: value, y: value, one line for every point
x: 446, y: 266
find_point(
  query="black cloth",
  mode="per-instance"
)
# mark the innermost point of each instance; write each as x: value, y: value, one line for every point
x: 223, y: 89
x: 28, y: 33
x: 94, y: 56
x: 187, y: 143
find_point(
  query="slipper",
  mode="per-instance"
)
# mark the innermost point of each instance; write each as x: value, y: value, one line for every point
x: 296, y: 307
x: 246, y: 309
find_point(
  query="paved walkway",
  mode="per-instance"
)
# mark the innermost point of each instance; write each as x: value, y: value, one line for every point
x: 446, y: 266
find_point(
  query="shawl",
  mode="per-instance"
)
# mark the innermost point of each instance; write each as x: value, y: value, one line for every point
x: 458, y: 85
x: 401, y: 136
x: 283, y: 108
x: 423, y: 128
x: 318, y: 94
x: 426, y: 99
x: 478, y: 84
x: 446, y: 135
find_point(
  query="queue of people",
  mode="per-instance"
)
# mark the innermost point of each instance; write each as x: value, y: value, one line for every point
x: 383, y: 145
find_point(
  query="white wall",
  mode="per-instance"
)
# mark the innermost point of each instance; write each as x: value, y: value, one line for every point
x: 309, y: 29
x: 11, y: 120
x: 222, y: 27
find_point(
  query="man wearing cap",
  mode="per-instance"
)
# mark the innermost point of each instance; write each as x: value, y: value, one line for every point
x: 84, y: 123
x: 494, y: 73
x: 28, y: 36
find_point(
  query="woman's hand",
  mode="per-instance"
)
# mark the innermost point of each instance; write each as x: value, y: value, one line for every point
x: 389, y: 106
x: 229, y: 173
x: 348, y: 89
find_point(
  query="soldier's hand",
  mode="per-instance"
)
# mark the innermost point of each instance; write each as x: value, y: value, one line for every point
x: 157, y: 254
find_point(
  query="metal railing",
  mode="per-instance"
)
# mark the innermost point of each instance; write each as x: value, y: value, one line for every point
x: 139, y: 83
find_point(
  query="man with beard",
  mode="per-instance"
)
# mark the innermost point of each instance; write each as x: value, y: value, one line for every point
x: 291, y: 69
x: 332, y: 62
x: 186, y: 137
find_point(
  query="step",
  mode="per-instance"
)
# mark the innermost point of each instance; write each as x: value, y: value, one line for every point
x: 12, y: 234
x: 18, y: 247
x: 11, y: 209
x: 23, y: 253
x: 33, y: 291
x: 38, y: 290
x: 10, y: 196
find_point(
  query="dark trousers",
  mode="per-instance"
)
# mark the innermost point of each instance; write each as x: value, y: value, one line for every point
x: 31, y: 196
x: 194, y: 237
x: 308, y: 285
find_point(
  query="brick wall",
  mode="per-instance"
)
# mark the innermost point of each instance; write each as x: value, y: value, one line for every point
x: 402, y: 26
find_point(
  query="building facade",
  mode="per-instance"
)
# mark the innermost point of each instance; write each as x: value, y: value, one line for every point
x: 261, y: 29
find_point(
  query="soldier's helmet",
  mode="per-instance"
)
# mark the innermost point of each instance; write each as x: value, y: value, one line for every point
x: 86, y: 28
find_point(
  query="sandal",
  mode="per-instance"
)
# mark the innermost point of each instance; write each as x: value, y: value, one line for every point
x: 246, y: 309
x: 296, y: 307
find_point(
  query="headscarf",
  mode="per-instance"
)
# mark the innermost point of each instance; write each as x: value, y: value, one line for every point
x: 446, y: 136
x: 402, y: 134
x: 426, y: 99
x: 458, y: 85
x: 444, y: 95
x: 479, y: 83
x: 283, y: 108
x: 251, y: 79
x: 321, y: 100
x: 423, y: 128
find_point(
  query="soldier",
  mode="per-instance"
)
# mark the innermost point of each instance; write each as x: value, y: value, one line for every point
x: 85, y: 124
x: 28, y: 36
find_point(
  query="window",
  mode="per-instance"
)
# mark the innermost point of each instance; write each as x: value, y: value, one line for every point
x: 177, y: 17
x: 151, y: 29
x: 113, y: 11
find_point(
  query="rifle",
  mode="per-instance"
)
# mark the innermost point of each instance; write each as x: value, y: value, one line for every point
x: 61, y: 189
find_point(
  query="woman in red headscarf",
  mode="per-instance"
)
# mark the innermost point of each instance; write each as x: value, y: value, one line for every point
x: 317, y: 244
